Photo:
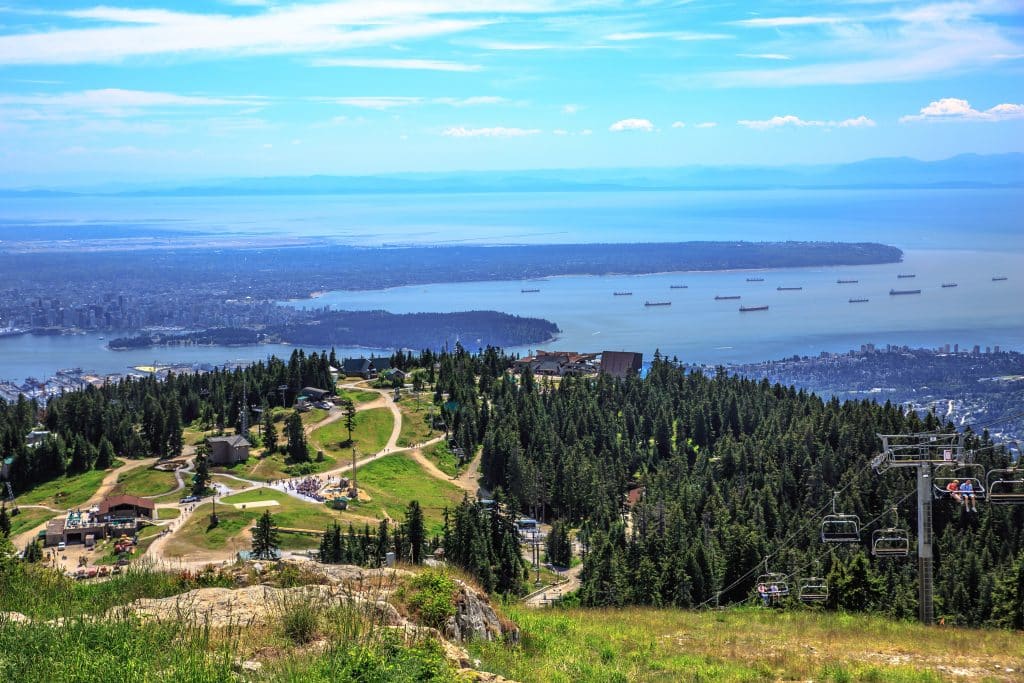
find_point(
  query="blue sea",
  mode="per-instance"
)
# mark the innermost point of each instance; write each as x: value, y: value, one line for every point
x: 961, y: 236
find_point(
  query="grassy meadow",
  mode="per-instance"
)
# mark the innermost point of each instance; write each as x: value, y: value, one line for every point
x: 145, y: 481
x: 67, y: 491
x: 750, y: 644
x: 415, y: 419
x: 372, y: 430
x: 394, y: 480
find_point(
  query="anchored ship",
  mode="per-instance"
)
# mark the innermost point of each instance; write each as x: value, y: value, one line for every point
x: 657, y: 303
x: 678, y: 286
x: 999, y: 278
x: 747, y: 309
x: 529, y: 291
x: 858, y: 301
x: 755, y: 279
x: 622, y: 293
x: 898, y: 292
x: 947, y: 285
x: 847, y: 282
x: 906, y: 275
x: 726, y: 298
x: 789, y: 289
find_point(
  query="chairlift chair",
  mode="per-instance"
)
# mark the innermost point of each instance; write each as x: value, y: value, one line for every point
x: 813, y: 589
x: 972, y: 472
x: 772, y: 587
x: 840, y: 528
x: 903, y: 450
x: 891, y: 542
x: 1005, y: 486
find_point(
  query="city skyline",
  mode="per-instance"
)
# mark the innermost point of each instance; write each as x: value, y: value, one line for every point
x: 253, y: 87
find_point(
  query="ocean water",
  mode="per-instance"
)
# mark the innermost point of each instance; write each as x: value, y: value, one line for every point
x: 962, y: 236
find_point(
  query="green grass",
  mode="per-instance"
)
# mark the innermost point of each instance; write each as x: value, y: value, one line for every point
x: 372, y: 430
x: 66, y: 491
x: 197, y: 535
x: 28, y: 518
x: 394, y: 480
x: 168, y: 513
x: 145, y: 481
x: 646, y: 644
x: 358, y: 397
x: 443, y: 457
x: 271, y: 467
x: 415, y: 420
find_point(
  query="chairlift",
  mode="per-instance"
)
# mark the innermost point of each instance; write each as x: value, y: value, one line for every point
x: 840, y: 528
x: 892, y: 541
x: 1006, y: 486
x: 772, y: 587
x: 910, y: 450
x: 944, y: 475
x: 813, y: 589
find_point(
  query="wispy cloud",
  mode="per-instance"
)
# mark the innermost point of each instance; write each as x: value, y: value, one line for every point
x: 765, y: 55
x: 684, y: 36
x: 382, y: 103
x: 953, y: 109
x: 631, y: 124
x: 707, y: 124
x: 570, y: 108
x: 494, y: 132
x: 408, y: 64
x: 678, y: 124
x: 782, y: 22
x: 115, y: 98
x: 797, y: 122
x: 289, y: 29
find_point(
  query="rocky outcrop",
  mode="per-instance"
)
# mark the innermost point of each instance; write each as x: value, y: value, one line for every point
x: 13, y: 618
x: 476, y: 619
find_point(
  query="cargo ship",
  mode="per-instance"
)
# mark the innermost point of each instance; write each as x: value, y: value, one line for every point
x: 747, y: 309
x: 529, y: 291
x: 999, y: 278
x: 755, y: 279
x: 789, y: 289
x: 905, y: 275
x: 726, y: 298
x: 678, y: 286
x: 847, y: 282
x: 947, y: 285
x: 858, y: 301
x: 898, y: 292
x: 657, y: 303
x: 622, y: 293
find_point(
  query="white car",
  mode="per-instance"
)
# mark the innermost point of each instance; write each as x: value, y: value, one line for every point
x: 61, y: 546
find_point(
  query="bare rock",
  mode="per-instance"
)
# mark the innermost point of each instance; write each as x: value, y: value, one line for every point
x: 13, y: 618
x: 476, y: 619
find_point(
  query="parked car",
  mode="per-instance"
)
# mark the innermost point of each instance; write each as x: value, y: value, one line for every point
x: 190, y: 499
x: 62, y: 546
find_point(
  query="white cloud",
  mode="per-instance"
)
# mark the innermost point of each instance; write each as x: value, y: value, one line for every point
x: 570, y: 108
x: 115, y: 98
x: 586, y: 131
x: 678, y: 124
x: 287, y: 29
x: 560, y: 131
x: 774, y: 56
x: 408, y: 64
x: 781, y: 22
x: 495, y: 132
x: 797, y: 122
x: 383, y: 102
x: 953, y: 109
x: 631, y: 124
x: 685, y: 36
x: 378, y: 103
x: 707, y: 124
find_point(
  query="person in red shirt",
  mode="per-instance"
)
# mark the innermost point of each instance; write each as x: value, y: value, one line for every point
x: 954, y: 491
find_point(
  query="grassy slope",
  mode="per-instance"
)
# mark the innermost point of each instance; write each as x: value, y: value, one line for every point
x: 372, y: 429
x: 415, y: 412
x: 745, y: 645
x: 443, y: 457
x: 358, y: 397
x: 395, y: 480
x: 145, y: 482
x: 65, y: 492
x: 27, y: 519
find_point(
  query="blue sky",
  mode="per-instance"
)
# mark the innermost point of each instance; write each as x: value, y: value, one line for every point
x: 167, y: 89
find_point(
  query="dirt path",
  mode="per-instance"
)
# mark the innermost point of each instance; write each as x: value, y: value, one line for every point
x: 545, y: 597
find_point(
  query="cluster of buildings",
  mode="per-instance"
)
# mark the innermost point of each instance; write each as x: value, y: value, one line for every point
x: 619, y: 364
x: 114, y: 516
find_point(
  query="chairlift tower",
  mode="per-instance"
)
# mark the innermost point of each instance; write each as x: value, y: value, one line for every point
x: 922, y: 451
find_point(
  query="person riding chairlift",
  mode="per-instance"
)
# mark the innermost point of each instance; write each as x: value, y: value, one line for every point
x: 970, y: 500
x: 954, y: 490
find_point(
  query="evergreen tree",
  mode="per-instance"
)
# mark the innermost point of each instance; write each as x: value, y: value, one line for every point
x: 264, y: 537
x: 175, y: 438
x: 269, y: 430
x: 33, y: 551
x: 415, y: 532
x: 201, y: 478
x: 298, y: 451
x: 349, y: 408
x: 5, y: 522
x: 105, y: 456
x: 559, y: 548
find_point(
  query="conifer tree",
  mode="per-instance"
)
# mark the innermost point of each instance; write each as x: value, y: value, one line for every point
x: 264, y: 537
x: 415, y: 532
x: 5, y: 522
x: 297, y: 448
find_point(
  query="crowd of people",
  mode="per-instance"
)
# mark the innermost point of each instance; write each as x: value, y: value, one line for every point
x: 304, y: 486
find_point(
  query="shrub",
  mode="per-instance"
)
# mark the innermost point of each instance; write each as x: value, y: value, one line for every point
x: 432, y: 597
x: 300, y: 621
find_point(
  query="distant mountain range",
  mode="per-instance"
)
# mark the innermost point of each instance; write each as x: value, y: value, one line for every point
x: 964, y: 171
